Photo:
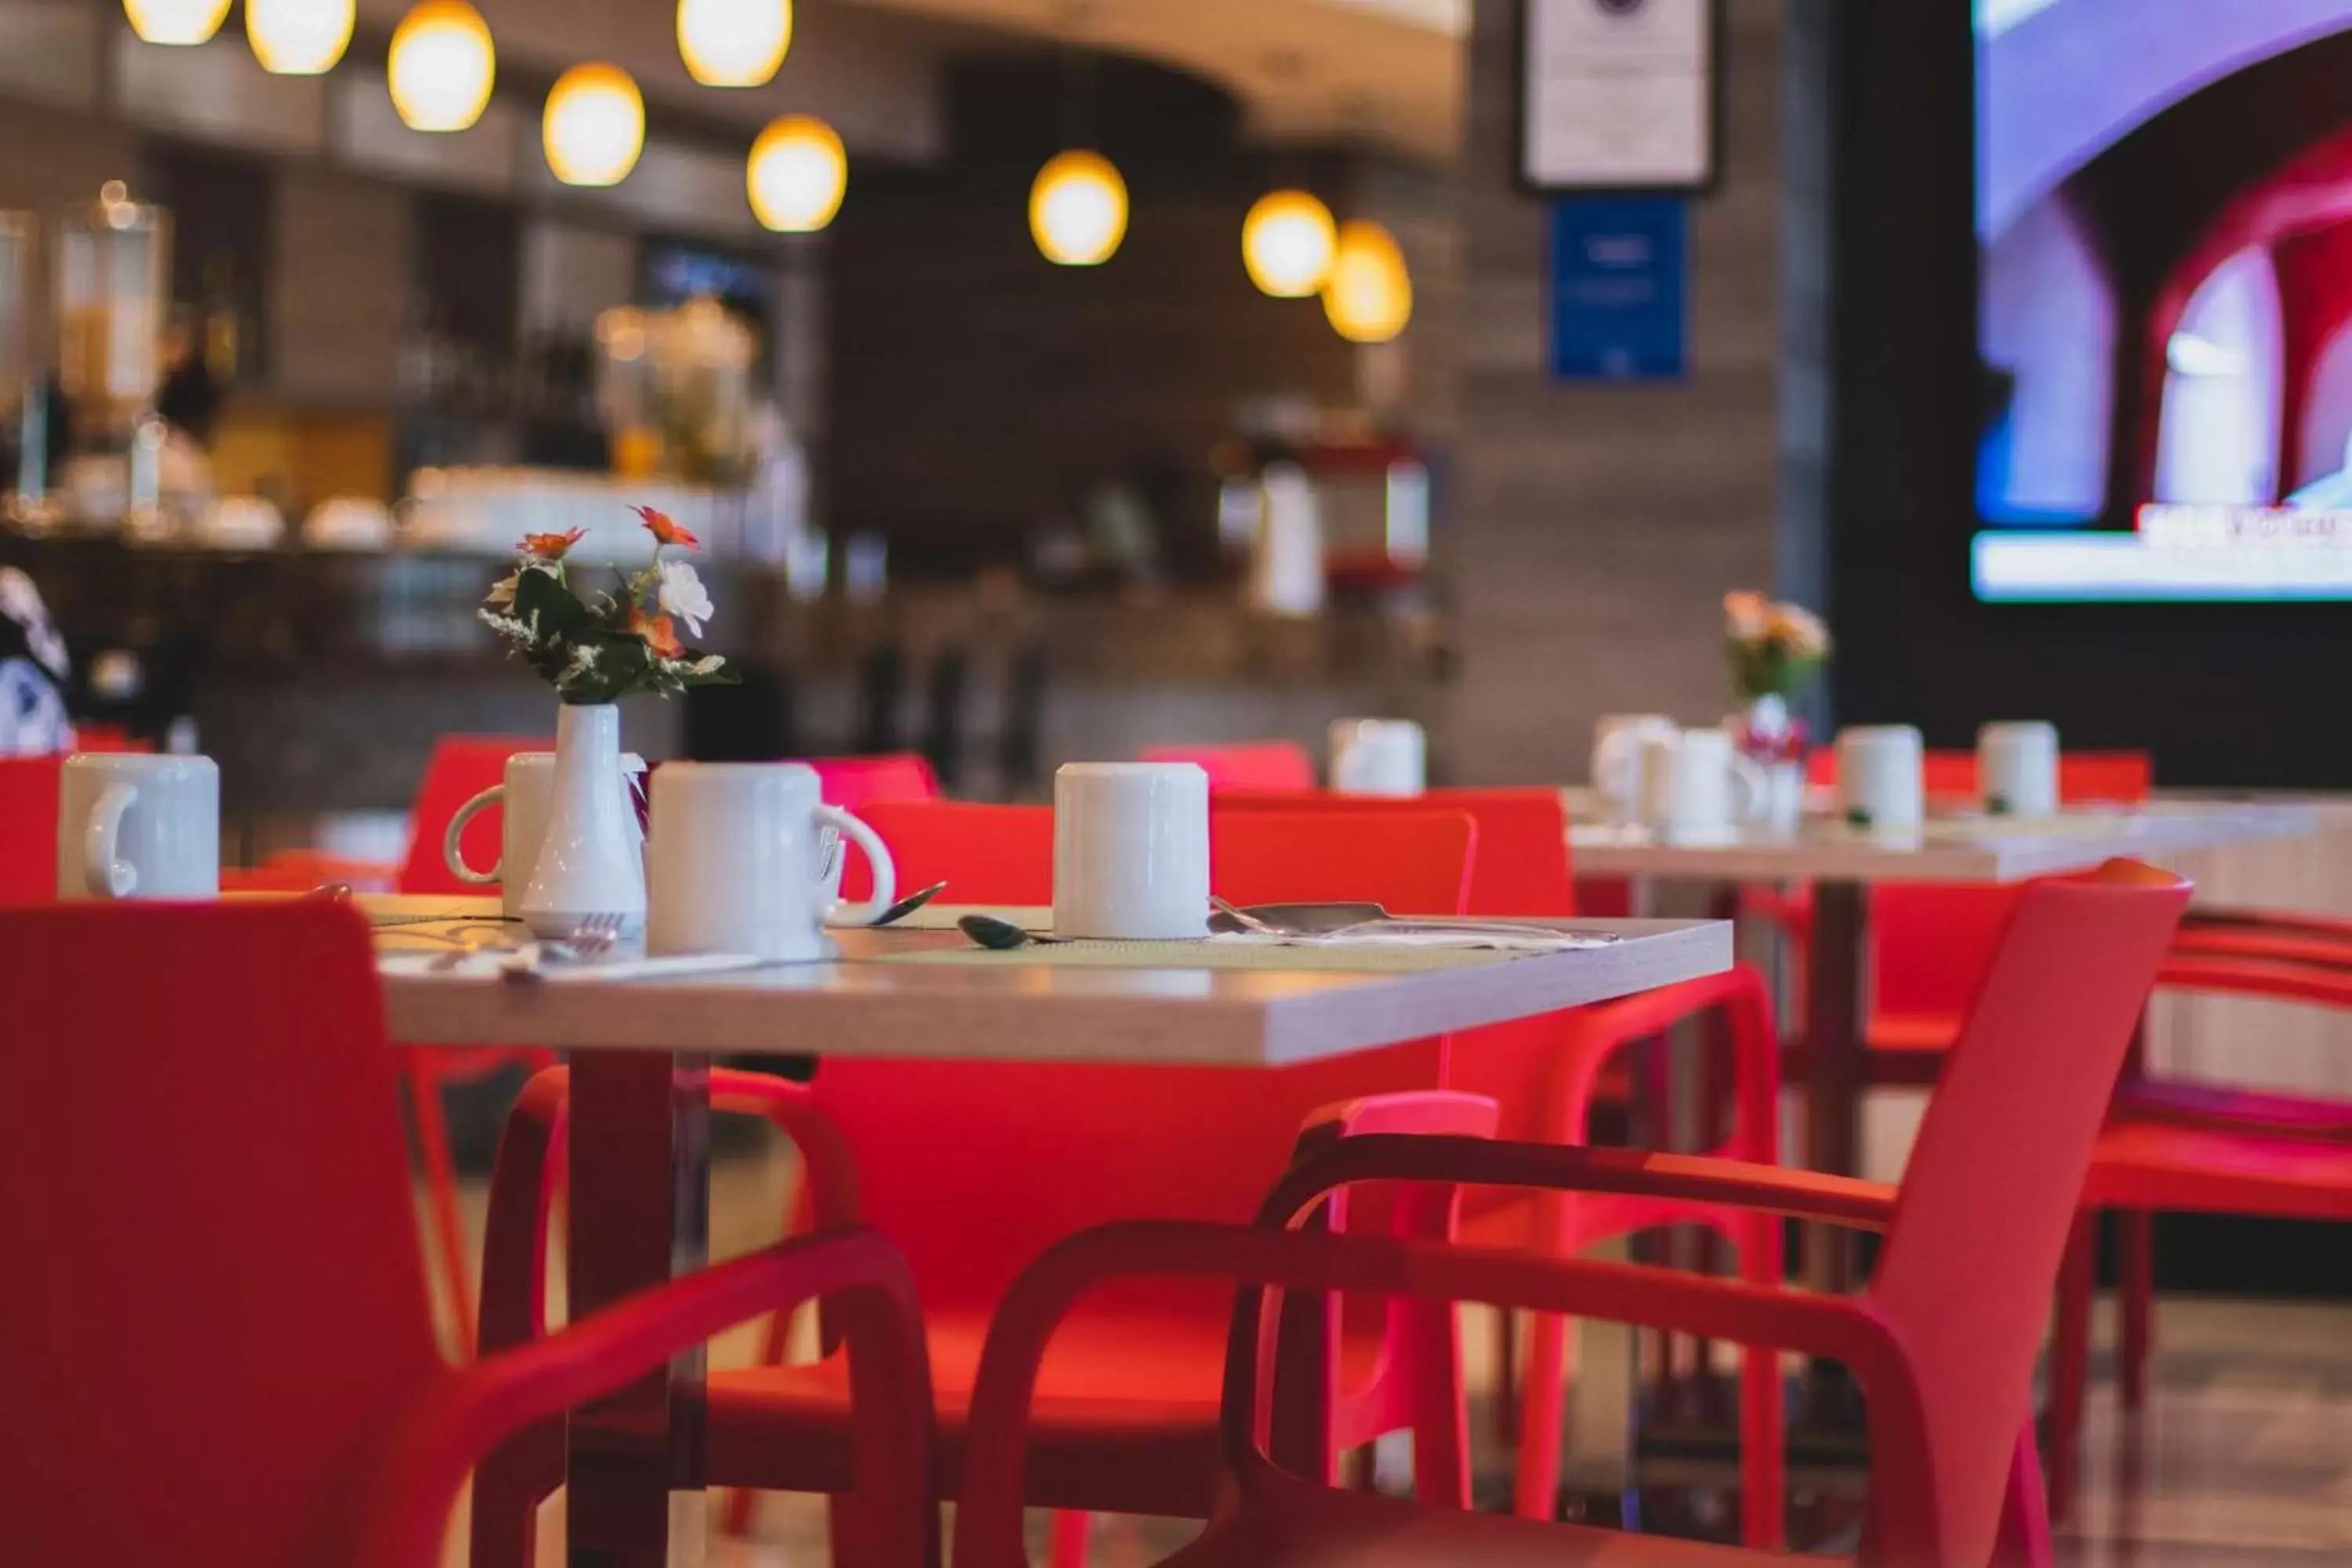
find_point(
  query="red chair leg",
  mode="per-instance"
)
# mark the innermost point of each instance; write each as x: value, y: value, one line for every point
x: 1069, y: 1549
x: 1441, y: 1417
x: 2136, y: 1291
x: 1762, y: 1461
x: 2070, y: 1360
x: 441, y: 1192
x: 1507, y: 1376
x: 2023, y: 1540
x: 1543, y: 1397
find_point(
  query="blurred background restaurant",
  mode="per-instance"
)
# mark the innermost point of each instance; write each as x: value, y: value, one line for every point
x: 1011, y: 456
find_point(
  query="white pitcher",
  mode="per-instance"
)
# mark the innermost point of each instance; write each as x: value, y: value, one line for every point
x: 590, y: 862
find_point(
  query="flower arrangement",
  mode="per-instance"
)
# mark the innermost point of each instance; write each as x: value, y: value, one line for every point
x: 602, y: 647
x: 1774, y: 649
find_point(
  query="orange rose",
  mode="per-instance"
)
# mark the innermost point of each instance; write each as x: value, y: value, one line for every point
x: 664, y: 530
x: 660, y: 636
x: 551, y: 546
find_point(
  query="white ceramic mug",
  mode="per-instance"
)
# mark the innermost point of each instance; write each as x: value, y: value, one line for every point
x: 1696, y: 787
x: 2016, y: 768
x: 1132, y: 850
x: 522, y: 823
x: 1617, y: 742
x: 1882, y: 780
x: 1379, y: 756
x: 734, y: 863
x: 131, y: 825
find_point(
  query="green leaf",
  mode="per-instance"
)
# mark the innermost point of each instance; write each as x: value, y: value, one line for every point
x: 559, y: 614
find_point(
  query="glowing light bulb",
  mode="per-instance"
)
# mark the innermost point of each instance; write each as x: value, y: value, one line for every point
x: 442, y: 66
x: 595, y: 125
x: 177, y: 22
x: 298, y: 37
x: 1369, y: 296
x: 1287, y: 243
x: 796, y: 175
x: 733, y: 43
x: 1077, y: 209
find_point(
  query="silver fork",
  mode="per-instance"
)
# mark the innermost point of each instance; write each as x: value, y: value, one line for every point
x: 591, y: 939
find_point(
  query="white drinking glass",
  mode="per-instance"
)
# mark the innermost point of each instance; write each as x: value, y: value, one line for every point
x: 1696, y: 787
x: 522, y: 823
x: 1617, y: 742
x: 1379, y: 756
x: 735, y: 867
x: 2016, y: 768
x: 1882, y: 780
x: 130, y: 826
x: 1132, y: 850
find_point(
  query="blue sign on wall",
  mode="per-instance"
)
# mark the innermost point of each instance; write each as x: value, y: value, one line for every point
x: 1620, y: 287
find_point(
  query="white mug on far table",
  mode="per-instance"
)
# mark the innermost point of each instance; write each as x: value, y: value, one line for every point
x: 1617, y: 742
x: 1695, y: 786
x: 1131, y: 850
x: 734, y: 862
x: 1379, y: 756
x: 1882, y: 778
x: 131, y: 825
x: 530, y: 778
x: 2016, y: 768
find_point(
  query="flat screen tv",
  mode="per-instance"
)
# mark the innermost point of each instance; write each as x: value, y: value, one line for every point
x: 2164, y: 227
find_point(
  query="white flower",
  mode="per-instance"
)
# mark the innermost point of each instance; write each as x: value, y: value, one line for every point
x: 682, y: 594
x: 709, y: 664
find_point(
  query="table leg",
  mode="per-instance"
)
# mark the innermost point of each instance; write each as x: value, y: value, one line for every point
x: 1834, y: 1011
x: 640, y: 1183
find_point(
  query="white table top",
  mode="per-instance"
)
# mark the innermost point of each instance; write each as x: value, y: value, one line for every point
x: 1013, y: 1010
x: 1948, y: 850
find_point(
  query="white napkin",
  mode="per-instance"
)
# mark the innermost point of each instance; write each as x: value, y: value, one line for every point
x: 492, y: 964
x: 1459, y: 937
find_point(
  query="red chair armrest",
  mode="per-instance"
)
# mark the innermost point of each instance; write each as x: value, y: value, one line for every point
x: 989, y: 1524
x: 2205, y: 916
x: 2226, y: 1109
x: 2317, y: 984
x: 476, y: 1407
x: 2262, y: 943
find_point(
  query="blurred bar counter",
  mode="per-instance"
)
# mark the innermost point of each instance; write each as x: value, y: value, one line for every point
x: 319, y: 679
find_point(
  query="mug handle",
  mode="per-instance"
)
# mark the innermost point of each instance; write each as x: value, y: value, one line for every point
x: 455, y: 855
x: 840, y: 911
x: 103, y: 876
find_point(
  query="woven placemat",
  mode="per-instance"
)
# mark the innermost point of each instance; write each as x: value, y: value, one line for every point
x: 1366, y: 959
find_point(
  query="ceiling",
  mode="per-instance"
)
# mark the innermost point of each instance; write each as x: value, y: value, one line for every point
x: 1383, y: 72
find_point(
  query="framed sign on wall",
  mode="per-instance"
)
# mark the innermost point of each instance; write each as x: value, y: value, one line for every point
x: 1619, y: 95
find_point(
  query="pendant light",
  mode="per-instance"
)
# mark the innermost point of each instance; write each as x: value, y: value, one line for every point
x: 733, y: 43
x: 176, y: 22
x: 594, y: 126
x: 442, y: 66
x: 1289, y: 243
x: 1077, y: 208
x: 796, y: 174
x: 298, y: 37
x: 1369, y: 296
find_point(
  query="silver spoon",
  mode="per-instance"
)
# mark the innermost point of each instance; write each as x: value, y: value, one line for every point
x: 1000, y: 936
x: 910, y: 904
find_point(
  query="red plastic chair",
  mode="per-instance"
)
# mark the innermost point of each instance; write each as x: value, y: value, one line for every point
x: 975, y: 1168
x: 1943, y: 1341
x: 1245, y: 764
x: 852, y: 782
x: 1547, y: 1075
x: 2196, y: 1149
x: 29, y: 829
x: 215, y: 1344
x: 107, y: 738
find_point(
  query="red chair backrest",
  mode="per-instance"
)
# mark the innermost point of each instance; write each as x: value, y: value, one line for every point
x: 216, y: 1305
x: 974, y: 1169
x: 29, y: 829
x: 107, y: 738
x: 1522, y: 871
x: 852, y: 782
x: 1245, y: 764
x: 461, y: 767
x: 2084, y: 778
x: 1990, y: 1191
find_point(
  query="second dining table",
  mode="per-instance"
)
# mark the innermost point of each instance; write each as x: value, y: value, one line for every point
x: 641, y: 1048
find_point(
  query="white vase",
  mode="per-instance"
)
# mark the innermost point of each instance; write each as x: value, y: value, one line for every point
x: 590, y: 862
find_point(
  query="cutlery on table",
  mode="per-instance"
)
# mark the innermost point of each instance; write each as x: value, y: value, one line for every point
x: 1001, y: 936
x: 910, y: 904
